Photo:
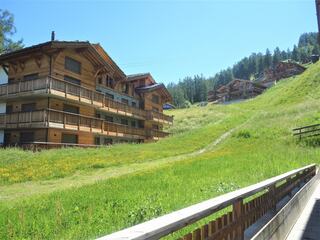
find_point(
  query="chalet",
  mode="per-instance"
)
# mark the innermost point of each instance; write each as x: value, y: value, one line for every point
x: 72, y: 93
x: 235, y: 90
x: 282, y: 70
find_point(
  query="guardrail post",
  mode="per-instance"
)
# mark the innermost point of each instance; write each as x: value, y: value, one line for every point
x: 238, y: 210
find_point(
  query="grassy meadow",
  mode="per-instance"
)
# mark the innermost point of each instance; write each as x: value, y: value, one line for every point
x: 150, y: 180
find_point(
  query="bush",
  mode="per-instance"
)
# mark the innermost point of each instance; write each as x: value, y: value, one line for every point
x: 244, y: 134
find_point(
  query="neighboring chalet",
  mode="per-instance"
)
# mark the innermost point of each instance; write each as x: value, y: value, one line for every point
x: 237, y: 89
x: 281, y: 70
x: 72, y: 93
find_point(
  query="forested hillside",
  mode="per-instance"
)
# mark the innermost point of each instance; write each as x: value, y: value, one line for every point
x: 194, y: 89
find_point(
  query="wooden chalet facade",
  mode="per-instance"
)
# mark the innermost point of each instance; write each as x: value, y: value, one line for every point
x: 237, y: 89
x: 280, y: 71
x: 72, y: 93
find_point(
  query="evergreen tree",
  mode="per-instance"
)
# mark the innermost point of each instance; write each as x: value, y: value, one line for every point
x: 267, y: 59
x: 276, y: 58
x: 295, y: 54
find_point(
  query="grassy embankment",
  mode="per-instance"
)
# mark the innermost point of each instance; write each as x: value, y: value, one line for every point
x: 260, y: 146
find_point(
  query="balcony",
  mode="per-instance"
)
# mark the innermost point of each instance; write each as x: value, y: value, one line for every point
x: 50, y: 118
x: 62, y: 89
x: 156, y: 134
x: 159, y: 117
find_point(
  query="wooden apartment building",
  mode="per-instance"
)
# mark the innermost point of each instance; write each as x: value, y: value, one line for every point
x: 73, y: 93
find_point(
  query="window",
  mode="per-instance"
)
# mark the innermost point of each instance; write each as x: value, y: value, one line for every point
x: 72, y: 65
x: 26, y: 137
x: 30, y: 77
x: 108, y: 141
x: 124, y: 122
x: 28, y: 107
x: 134, y: 104
x: 125, y: 88
x: 125, y: 101
x: 155, y: 99
x: 7, y: 138
x: 72, y: 80
x: 100, y: 80
x: 98, y: 115
x: 109, y: 81
x: 70, y: 109
x: 108, y: 95
x: 11, y: 80
x: 133, y: 123
x: 108, y: 118
x: 97, y: 141
x: 155, y: 109
x: 9, y: 109
x: 156, y: 127
x: 69, y: 138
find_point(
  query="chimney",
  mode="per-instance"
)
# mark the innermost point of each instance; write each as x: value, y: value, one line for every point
x: 52, y: 36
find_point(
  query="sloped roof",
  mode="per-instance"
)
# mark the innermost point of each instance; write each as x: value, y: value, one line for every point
x: 137, y: 76
x: 155, y: 87
x: 95, y: 49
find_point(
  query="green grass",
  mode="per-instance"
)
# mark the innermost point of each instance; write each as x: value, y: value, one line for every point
x: 260, y: 146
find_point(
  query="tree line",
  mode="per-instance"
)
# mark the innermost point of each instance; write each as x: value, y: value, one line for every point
x: 191, y: 90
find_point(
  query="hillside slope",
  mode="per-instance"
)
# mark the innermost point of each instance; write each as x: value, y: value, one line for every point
x: 224, y: 147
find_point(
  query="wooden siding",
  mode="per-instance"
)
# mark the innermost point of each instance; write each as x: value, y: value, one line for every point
x: 41, y: 103
x: 57, y: 104
x: 87, y: 75
x: 55, y: 136
x: 39, y: 135
x: 35, y: 64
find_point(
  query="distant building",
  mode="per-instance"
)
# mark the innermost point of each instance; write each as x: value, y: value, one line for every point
x: 168, y: 106
x: 280, y: 71
x: 236, y: 90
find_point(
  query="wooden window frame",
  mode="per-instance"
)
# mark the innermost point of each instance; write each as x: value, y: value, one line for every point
x: 155, y: 99
x: 72, y: 65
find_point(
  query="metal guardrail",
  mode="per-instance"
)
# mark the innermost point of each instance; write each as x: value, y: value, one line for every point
x: 232, y: 224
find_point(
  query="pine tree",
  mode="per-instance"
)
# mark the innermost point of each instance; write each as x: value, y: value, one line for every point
x: 295, y: 54
x: 267, y: 59
x: 276, y: 58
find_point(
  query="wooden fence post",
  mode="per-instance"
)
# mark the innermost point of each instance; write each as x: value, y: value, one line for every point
x: 238, y: 210
x: 273, y: 197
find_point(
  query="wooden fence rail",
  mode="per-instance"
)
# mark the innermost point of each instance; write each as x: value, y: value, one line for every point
x: 307, y: 131
x: 249, y: 204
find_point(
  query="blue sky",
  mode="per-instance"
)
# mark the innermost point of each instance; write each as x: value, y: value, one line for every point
x: 170, y: 39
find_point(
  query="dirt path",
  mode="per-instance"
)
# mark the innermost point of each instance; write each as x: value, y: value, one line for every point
x: 22, y: 190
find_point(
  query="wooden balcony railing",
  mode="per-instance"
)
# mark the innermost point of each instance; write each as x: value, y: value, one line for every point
x: 248, y: 204
x: 58, y: 119
x: 61, y: 88
x: 159, y: 117
x: 156, y: 134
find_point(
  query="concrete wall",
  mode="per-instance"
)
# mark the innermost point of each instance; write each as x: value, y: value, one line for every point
x: 3, y: 80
